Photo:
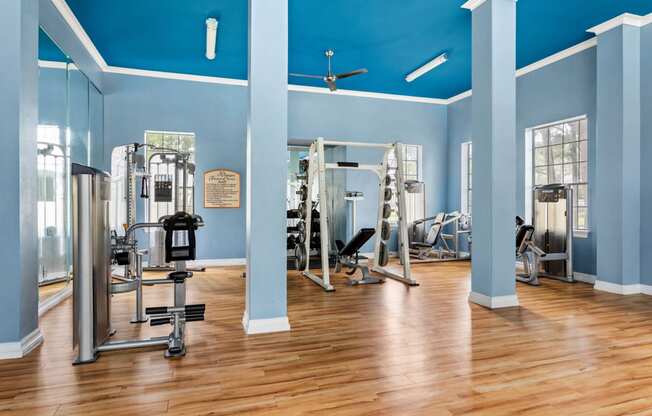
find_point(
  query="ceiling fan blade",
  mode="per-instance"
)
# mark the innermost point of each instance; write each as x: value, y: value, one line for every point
x: 352, y: 73
x: 331, y: 85
x: 306, y: 76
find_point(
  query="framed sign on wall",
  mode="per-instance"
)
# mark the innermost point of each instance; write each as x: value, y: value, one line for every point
x: 221, y: 189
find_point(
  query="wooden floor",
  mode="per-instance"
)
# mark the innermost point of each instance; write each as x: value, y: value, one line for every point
x: 383, y: 349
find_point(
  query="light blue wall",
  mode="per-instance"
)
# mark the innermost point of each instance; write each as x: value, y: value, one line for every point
x: 217, y: 115
x: 556, y: 92
x: 646, y: 154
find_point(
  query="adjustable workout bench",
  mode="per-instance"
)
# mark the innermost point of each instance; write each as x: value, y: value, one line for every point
x: 348, y: 256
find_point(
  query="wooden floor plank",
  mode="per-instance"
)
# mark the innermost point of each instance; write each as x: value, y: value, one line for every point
x: 373, y: 350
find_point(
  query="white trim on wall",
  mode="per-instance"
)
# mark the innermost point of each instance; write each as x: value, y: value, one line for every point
x: 79, y: 31
x: 264, y: 326
x: 366, y: 94
x: 19, y: 349
x: 51, y: 64
x: 175, y: 76
x: 54, y: 300
x: 494, y: 302
x: 473, y: 4
x: 628, y: 19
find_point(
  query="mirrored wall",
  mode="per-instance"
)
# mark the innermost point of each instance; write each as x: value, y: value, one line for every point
x: 70, y: 130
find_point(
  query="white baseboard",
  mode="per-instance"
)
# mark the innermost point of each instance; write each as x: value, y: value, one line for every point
x: 54, y: 300
x: 264, y: 326
x: 584, y: 278
x: 646, y: 289
x: 494, y: 302
x: 616, y: 288
x: 217, y: 262
x: 19, y: 349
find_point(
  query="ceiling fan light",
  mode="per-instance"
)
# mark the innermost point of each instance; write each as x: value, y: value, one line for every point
x: 211, y: 37
x: 441, y: 59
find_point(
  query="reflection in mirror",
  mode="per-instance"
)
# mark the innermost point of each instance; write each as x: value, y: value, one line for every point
x: 70, y: 130
x: 52, y: 165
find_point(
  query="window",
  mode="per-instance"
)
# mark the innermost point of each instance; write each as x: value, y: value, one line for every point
x: 560, y: 155
x: 411, y: 171
x: 466, y: 182
x: 164, y: 168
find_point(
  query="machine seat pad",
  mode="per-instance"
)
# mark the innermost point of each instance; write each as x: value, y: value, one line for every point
x: 179, y: 276
x: 356, y: 243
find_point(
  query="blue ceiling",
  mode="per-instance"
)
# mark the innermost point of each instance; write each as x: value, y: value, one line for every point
x: 389, y: 37
x: 48, y: 50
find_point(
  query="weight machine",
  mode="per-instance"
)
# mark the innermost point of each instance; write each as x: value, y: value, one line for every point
x: 317, y: 168
x: 93, y: 284
x: 436, y: 245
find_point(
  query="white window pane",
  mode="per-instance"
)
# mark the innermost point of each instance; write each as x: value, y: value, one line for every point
x: 584, y: 174
x: 555, y: 174
x: 582, y: 196
x: 582, y: 218
x: 571, y: 132
x: 571, y: 152
x: 411, y: 168
x: 541, y: 156
x: 556, y: 135
x: 541, y: 176
x: 412, y: 153
x: 556, y: 155
x: 571, y: 173
x: 584, y: 130
x: 540, y: 137
x: 584, y: 151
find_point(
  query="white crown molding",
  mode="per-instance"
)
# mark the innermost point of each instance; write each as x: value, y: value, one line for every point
x: 559, y: 56
x: 51, y: 64
x: 628, y: 19
x: 365, y: 94
x: 459, y: 97
x: 19, y: 349
x: 473, y: 4
x: 494, y: 302
x: 176, y: 76
x: 264, y: 326
x: 79, y: 31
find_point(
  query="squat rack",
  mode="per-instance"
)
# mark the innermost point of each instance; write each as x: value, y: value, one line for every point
x: 317, y: 173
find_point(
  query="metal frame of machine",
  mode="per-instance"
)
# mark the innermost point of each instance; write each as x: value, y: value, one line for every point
x: 93, y: 288
x: 546, y: 248
x: 317, y: 173
x: 423, y: 252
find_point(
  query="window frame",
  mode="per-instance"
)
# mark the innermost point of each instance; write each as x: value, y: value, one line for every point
x: 177, y: 147
x: 391, y: 162
x: 466, y: 177
x: 531, y: 166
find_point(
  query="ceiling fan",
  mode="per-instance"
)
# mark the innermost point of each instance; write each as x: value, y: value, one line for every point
x: 331, y: 79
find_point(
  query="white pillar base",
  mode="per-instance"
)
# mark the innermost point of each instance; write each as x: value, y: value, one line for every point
x: 494, y: 302
x: 21, y: 348
x: 265, y: 326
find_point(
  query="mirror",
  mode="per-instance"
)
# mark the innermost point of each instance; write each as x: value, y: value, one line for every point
x: 70, y: 129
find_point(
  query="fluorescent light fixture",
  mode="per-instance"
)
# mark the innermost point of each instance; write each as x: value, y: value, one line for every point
x: 427, y: 67
x: 211, y: 37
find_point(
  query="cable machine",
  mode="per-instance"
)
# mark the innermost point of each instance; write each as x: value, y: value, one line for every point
x: 317, y: 177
